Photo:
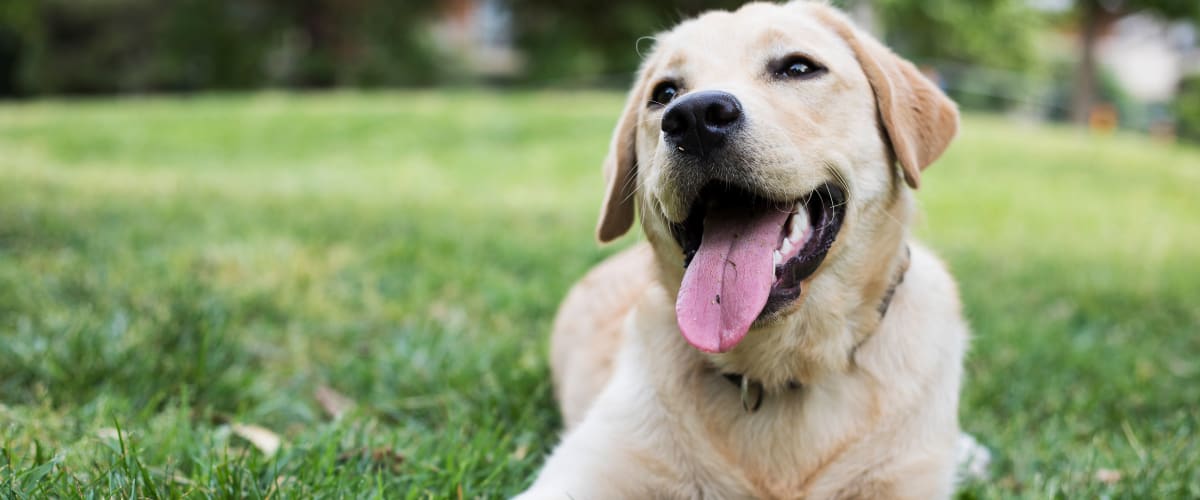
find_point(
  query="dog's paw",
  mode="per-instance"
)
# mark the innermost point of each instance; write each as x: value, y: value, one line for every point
x: 543, y: 494
x: 973, y: 460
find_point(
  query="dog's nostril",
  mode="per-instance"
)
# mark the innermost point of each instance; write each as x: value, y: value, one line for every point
x: 674, y: 121
x: 722, y: 112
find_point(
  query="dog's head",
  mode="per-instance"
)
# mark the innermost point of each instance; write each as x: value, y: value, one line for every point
x: 761, y: 147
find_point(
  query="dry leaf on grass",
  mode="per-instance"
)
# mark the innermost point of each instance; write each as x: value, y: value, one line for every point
x: 281, y: 483
x: 333, y: 402
x: 380, y: 458
x: 262, y: 438
x: 1108, y: 476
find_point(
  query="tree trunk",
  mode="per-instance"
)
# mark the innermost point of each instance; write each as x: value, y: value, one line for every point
x: 1084, y: 96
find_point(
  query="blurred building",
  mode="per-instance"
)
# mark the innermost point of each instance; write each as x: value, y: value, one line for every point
x: 479, y: 33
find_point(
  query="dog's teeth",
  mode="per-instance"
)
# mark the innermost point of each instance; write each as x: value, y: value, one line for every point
x: 786, y: 246
x: 778, y: 257
x: 799, y: 224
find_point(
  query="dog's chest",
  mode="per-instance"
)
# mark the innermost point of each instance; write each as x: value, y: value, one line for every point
x: 791, y: 442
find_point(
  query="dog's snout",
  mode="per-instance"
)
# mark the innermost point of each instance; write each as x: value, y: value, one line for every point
x: 699, y: 123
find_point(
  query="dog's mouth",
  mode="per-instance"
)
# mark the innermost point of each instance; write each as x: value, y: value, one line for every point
x: 746, y: 256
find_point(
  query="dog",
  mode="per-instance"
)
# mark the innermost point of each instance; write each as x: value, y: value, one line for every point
x: 778, y: 334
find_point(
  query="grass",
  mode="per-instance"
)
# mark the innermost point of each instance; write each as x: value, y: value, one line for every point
x: 172, y: 267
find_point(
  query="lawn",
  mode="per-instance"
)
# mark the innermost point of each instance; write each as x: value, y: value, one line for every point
x: 181, y: 278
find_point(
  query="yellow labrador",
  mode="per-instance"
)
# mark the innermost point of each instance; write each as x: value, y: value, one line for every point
x: 780, y: 335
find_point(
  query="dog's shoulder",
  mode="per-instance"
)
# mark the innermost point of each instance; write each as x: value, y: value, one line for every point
x: 588, y: 331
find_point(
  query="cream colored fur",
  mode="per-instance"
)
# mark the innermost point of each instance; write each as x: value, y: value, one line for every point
x: 647, y: 415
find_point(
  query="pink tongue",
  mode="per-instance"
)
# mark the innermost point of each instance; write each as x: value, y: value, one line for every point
x: 726, y: 285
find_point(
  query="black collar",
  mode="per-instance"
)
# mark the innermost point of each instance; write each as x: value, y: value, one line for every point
x: 886, y: 302
x: 752, y: 390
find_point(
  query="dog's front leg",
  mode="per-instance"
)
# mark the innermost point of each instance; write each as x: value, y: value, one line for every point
x: 594, y: 463
x: 621, y: 449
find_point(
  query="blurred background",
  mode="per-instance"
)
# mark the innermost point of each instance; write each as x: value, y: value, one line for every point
x: 1132, y: 64
x: 313, y: 248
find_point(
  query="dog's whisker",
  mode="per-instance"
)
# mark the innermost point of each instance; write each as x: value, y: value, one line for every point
x: 630, y: 196
x: 837, y: 174
x: 637, y: 45
x: 632, y: 191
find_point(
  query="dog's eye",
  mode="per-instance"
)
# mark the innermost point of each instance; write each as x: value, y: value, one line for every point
x: 797, y: 67
x: 663, y: 93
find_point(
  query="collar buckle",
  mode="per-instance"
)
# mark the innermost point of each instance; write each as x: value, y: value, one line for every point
x: 752, y: 394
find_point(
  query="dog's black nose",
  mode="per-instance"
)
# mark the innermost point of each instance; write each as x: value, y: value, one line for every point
x: 698, y: 123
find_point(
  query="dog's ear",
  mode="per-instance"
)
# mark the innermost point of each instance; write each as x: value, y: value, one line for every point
x: 620, y: 167
x: 917, y: 116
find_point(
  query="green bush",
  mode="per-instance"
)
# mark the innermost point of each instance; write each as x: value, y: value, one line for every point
x: 566, y: 47
x: 991, y: 33
x: 1187, y: 109
x: 105, y: 46
x: 562, y: 45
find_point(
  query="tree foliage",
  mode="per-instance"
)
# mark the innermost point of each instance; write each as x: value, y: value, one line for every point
x: 591, y: 40
x: 101, y: 46
x: 1187, y: 108
x: 992, y: 33
x: 1170, y: 9
x: 564, y: 43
